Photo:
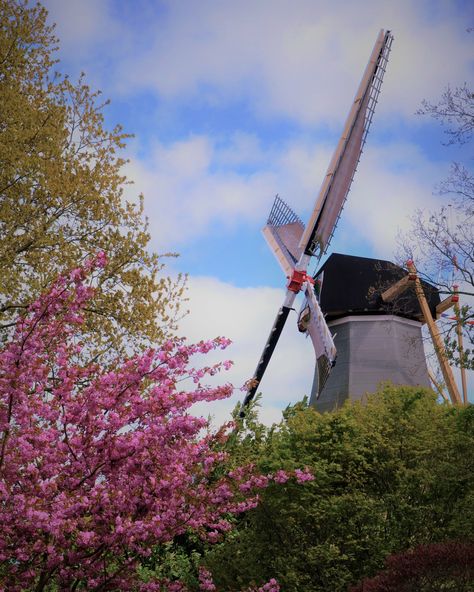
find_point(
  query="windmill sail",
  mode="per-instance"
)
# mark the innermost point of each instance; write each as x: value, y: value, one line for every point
x: 294, y: 245
x: 267, y: 353
x: 337, y: 182
x: 283, y: 233
x: 321, y: 337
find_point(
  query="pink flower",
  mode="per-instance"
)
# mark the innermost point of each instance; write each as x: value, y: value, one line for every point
x: 106, y: 464
x: 85, y: 538
x: 205, y: 580
x: 101, y: 259
x: 281, y: 477
x: 302, y: 476
x: 271, y: 586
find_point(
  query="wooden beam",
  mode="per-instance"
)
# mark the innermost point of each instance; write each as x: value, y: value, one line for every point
x: 395, y: 290
x: 457, y: 312
x: 435, y: 336
x: 444, y: 305
x: 437, y: 386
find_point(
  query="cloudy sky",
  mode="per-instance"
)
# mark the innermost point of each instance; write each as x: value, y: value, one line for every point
x: 232, y: 102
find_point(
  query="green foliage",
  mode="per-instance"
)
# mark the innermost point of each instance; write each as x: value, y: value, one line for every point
x: 175, y: 561
x: 389, y: 475
x: 61, y: 194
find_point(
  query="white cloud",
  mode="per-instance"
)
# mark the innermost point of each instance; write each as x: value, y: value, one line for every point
x: 246, y: 316
x: 301, y: 60
x: 243, y: 149
x: 192, y: 183
x: 82, y: 26
x: 393, y: 181
x: 187, y: 191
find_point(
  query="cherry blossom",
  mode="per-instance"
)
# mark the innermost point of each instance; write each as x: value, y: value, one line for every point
x: 99, y: 465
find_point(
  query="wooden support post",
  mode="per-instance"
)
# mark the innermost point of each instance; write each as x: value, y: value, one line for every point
x: 395, y: 290
x: 435, y: 336
x: 437, y: 386
x: 457, y: 312
x: 444, y: 305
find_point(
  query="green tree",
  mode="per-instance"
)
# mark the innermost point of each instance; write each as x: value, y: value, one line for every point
x: 61, y: 194
x: 389, y: 475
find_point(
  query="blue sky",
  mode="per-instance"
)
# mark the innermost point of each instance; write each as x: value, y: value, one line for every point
x: 232, y: 102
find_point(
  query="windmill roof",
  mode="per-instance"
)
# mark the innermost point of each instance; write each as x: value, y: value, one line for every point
x: 353, y: 285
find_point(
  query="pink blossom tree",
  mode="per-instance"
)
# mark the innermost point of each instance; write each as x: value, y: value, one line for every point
x: 98, y: 466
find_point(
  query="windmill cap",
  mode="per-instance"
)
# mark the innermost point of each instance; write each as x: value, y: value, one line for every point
x: 353, y: 285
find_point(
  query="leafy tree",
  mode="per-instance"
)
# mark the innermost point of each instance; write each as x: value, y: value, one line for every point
x: 101, y: 469
x: 61, y: 198
x: 442, y: 242
x: 389, y: 475
x: 440, y: 567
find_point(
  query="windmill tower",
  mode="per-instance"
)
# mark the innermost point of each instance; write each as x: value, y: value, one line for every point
x: 378, y: 338
x: 294, y: 245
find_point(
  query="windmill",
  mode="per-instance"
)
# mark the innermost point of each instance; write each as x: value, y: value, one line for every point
x: 294, y: 245
x: 377, y: 310
x: 377, y: 317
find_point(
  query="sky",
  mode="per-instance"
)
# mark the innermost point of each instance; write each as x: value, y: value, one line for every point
x: 233, y: 102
